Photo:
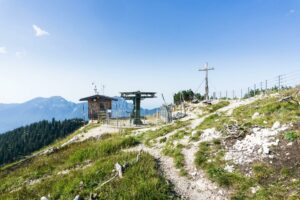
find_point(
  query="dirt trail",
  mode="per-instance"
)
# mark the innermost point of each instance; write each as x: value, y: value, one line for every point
x: 196, y: 188
x: 93, y: 133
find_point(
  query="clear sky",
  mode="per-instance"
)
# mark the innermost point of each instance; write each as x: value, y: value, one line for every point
x: 59, y: 47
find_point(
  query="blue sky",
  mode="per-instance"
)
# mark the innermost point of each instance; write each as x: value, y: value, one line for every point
x: 148, y: 45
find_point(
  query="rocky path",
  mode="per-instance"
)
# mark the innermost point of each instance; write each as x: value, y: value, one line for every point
x: 196, y: 188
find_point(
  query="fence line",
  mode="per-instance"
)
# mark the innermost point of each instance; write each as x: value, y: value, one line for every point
x: 279, y: 82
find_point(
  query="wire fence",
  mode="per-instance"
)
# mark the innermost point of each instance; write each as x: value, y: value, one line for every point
x: 276, y: 83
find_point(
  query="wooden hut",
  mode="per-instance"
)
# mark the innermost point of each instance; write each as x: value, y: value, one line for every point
x: 98, y: 106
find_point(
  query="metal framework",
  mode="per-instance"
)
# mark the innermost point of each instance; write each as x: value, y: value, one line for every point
x: 136, y: 97
x: 206, y: 69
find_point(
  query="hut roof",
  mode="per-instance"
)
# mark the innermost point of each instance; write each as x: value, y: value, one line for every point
x: 97, y: 96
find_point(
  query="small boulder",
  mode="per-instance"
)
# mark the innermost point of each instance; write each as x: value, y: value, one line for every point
x: 255, y: 115
x: 254, y: 189
x: 266, y: 149
x: 271, y: 156
x: 259, y: 150
x: 78, y: 197
x: 93, y: 196
x: 229, y: 168
x: 194, y: 174
x: 276, y: 125
x: 81, y: 185
x: 194, y: 133
x: 290, y: 144
x: 44, y: 198
x: 175, y: 143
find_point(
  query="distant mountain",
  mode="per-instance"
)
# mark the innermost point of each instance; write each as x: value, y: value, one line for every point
x: 15, y: 115
x: 122, y: 108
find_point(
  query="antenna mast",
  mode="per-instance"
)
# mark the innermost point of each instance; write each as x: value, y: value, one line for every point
x: 95, y: 88
x: 206, y: 69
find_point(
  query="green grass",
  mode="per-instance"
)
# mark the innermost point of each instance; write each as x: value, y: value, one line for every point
x: 289, y: 190
x: 273, y: 184
x: 148, y: 136
x: 291, y: 135
x: 214, y: 107
x: 56, y: 143
x: 270, y: 109
x: 210, y: 158
x: 141, y: 180
x: 66, y: 158
x: 179, y: 135
x: 262, y: 172
x: 215, y: 120
x: 175, y: 151
x: 59, y: 142
x: 279, y: 183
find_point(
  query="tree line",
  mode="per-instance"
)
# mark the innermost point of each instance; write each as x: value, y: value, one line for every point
x: 186, y: 95
x: 24, y: 140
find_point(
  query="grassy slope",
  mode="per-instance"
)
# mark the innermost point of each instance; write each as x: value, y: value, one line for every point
x: 141, y: 180
x: 151, y: 136
x: 273, y: 184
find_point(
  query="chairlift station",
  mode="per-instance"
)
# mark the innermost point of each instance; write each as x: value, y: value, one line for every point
x: 137, y: 97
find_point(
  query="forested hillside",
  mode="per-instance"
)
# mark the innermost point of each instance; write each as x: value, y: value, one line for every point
x: 25, y: 140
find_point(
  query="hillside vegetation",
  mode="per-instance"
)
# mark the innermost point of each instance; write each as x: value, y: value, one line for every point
x: 81, y: 168
x: 235, y: 149
x: 25, y: 140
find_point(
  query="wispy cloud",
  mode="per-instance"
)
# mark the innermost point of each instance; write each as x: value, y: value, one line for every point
x: 290, y: 12
x: 20, y: 54
x: 3, y: 50
x: 39, y: 32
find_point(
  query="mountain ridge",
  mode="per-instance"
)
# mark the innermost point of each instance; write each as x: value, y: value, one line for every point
x: 15, y: 115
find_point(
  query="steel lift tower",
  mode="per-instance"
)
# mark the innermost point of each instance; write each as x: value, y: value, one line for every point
x: 136, y: 97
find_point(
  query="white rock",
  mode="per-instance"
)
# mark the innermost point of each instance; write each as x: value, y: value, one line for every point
x: 254, y: 146
x: 255, y: 115
x: 276, y: 125
x: 254, y: 189
x: 194, y: 133
x: 78, y: 197
x: 210, y: 134
x: 44, y: 198
x: 290, y: 144
x: 259, y: 151
x: 220, y: 192
x: 194, y: 174
x: 229, y: 168
x: 266, y: 149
